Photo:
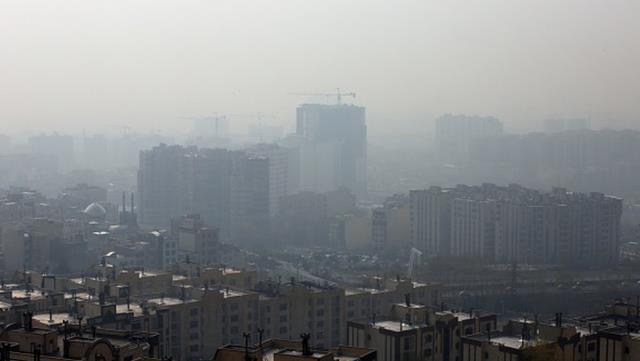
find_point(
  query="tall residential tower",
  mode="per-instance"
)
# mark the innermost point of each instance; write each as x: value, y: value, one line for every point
x: 333, y: 150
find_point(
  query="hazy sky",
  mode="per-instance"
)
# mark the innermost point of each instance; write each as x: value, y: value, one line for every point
x: 104, y: 64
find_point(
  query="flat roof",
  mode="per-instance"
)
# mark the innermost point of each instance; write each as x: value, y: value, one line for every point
x: 169, y: 301
x: 395, y: 326
x: 512, y: 342
x: 56, y: 318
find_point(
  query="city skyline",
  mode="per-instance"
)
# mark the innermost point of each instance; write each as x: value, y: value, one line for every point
x: 320, y: 180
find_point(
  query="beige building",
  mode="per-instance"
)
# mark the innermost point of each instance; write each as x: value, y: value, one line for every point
x: 146, y: 283
x: 378, y: 295
x: 289, y: 309
x: 197, y: 275
x: 415, y: 332
x: 351, y: 231
x: 391, y: 223
x: 288, y: 350
x: 26, y: 342
x: 29, y: 245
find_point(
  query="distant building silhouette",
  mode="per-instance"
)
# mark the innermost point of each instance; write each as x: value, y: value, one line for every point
x: 563, y: 125
x: 333, y: 149
x: 229, y: 189
x: 455, y: 134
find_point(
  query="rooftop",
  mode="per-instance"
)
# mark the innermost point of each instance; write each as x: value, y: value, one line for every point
x: 395, y: 326
x: 500, y: 339
x: 169, y: 301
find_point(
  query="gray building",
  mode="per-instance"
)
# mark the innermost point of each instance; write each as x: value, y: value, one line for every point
x: 333, y: 147
x: 516, y: 224
x: 228, y: 189
x: 456, y: 134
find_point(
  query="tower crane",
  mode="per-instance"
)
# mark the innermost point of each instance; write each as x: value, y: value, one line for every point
x: 338, y: 94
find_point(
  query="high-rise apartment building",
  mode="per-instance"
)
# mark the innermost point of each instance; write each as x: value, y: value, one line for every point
x: 279, y: 182
x: 431, y: 220
x: 333, y: 149
x: 515, y: 224
x: 472, y: 227
x: 391, y: 223
x: 455, y: 134
x: 230, y: 190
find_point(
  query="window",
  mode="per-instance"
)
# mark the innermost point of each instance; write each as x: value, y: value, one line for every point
x: 283, y: 318
x: 320, y: 301
x: 283, y: 307
x: 427, y: 352
x: 193, y: 324
x: 194, y: 312
x: 320, y: 313
x: 234, y: 306
x: 193, y: 348
x: 233, y: 318
x: 591, y: 347
x: 468, y: 330
x: 407, y: 343
x: 283, y: 330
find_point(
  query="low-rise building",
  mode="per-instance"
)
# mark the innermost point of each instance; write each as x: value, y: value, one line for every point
x: 24, y: 341
x: 289, y: 350
x: 415, y: 332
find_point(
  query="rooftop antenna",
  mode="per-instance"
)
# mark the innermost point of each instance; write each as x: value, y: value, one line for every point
x: 79, y: 325
x: 260, y: 333
x: 246, y: 346
x: 306, y: 350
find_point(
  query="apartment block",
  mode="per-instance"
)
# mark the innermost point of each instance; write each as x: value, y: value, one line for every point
x: 416, y: 332
x: 516, y: 224
x: 230, y: 190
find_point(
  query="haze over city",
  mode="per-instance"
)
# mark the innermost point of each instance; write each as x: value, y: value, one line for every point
x: 68, y: 64
x: 295, y: 180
